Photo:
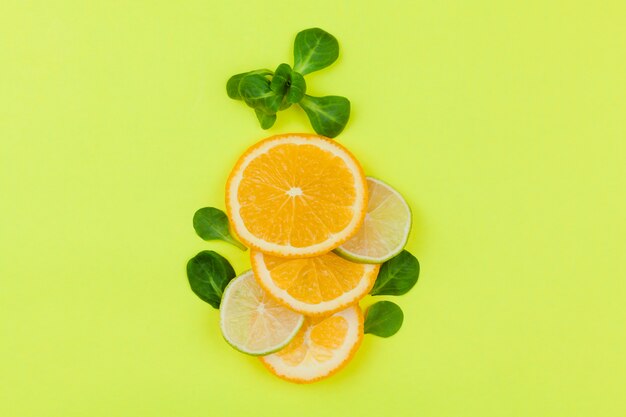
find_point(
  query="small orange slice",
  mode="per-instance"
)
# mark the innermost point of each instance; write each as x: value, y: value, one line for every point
x: 296, y: 195
x: 321, y: 348
x: 314, y: 286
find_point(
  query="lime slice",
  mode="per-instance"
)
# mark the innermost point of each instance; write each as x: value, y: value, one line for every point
x: 252, y: 322
x: 385, y: 229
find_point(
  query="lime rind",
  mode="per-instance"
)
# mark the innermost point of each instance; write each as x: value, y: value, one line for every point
x: 226, y: 298
x: 277, y: 348
x: 350, y: 255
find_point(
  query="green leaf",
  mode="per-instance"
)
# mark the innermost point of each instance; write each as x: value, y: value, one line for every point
x: 397, y: 276
x: 297, y: 89
x: 281, y: 79
x: 313, y: 50
x: 383, y: 319
x: 289, y: 84
x: 232, y: 85
x: 285, y: 104
x: 328, y: 115
x: 256, y: 92
x: 266, y: 120
x: 212, y: 224
x: 209, y: 273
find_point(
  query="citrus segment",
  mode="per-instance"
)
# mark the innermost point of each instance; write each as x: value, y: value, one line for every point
x: 251, y: 321
x: 385, y: 229
x: 296, y: 195
x: 314, y: 286
x: 322, y: 347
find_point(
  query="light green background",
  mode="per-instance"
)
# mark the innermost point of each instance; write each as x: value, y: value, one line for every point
x: 503, y: 124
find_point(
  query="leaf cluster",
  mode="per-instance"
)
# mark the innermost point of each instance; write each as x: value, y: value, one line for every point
x: 269, y: 92
x: 209, y: 272
x: 395, y: 277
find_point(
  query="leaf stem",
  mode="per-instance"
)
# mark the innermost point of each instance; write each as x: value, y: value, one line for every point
x: 237, y: 243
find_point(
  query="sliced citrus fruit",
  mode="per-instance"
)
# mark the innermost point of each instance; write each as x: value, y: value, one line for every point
x: 385, y: 229
x: 252, y: 322
x: 314, y: 286
x: 296, y: 195
x: 322, y: 347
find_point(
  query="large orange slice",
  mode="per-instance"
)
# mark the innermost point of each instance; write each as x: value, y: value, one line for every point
x: 314, y: 286
x: 321, y: 348
x: 296, y: 195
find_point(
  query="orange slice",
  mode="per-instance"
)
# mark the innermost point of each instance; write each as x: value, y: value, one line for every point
x: 314, y: 286
x: 321, y: 348
x: 296, y: 195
